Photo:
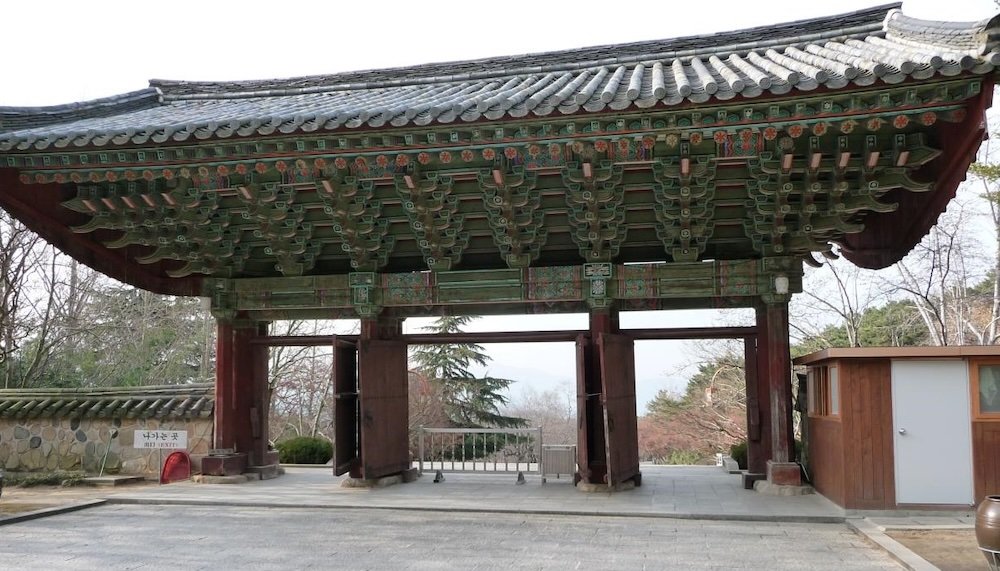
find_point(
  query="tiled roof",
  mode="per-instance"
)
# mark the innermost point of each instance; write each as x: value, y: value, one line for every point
x: 163, y: 402
x: 859, y: 48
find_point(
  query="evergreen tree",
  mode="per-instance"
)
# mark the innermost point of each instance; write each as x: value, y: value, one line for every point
x: 469, y: 401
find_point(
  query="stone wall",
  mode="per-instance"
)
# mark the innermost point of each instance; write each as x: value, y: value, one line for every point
x: 71, y: 429
x: 47, y: 444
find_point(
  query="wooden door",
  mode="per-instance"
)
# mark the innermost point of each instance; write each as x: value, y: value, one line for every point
x: 583, y: 408
x: 384, y: 408
x: 617, y: 358
x: 345, y: 414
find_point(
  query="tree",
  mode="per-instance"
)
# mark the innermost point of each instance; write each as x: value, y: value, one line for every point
x: 708, y: 417
x: 552, y: 410
x: 469, y: 401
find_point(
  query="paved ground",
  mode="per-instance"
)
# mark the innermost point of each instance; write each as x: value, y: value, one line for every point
x: 185, y: 537
x: 681, y: 517
x: 699, y: 492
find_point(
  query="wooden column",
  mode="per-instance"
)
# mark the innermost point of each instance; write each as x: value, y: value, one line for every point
x: 591, y: 445
x: 782, y: 468
x: 384, y: 423
x: 779, y: 366
x: 261, y: 401
x: 225, y: 386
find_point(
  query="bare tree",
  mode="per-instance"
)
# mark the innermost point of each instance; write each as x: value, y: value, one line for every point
x: 553, y: 410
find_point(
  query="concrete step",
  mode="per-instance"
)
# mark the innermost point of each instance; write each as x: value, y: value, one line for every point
x: 110, y: 481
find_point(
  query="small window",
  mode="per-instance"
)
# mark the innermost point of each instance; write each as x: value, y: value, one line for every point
x: 823, y: 384
x: 986, y: 389
x: 834, y: 391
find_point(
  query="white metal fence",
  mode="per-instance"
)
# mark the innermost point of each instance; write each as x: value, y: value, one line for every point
x: 496, y: 450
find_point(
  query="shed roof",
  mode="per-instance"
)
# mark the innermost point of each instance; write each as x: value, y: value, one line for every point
x: 160, y: 402
x: 858, y: 48
x: 950, y: 352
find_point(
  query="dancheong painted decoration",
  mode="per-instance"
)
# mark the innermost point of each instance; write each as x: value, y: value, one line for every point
x: 759, y: 147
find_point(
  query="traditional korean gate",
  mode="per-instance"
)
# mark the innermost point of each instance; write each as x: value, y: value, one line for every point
x: 383, y: 408
x: 345, y: 388
x: 617, y: 357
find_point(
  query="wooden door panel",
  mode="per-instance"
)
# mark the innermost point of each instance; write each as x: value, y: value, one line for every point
x: 583, y: 413
x: 345, y: 419
x: 384, y: 410
x: 617, y: 362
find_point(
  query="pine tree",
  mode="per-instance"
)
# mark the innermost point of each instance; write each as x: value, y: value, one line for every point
x: 469, y: 401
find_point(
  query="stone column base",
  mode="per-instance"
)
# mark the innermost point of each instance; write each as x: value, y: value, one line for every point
x: 784, y: 473
x: 408, y: 475
x: 224, y: 464
x: 749, y: 478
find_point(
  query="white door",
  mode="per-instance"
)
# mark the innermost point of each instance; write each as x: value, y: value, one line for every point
x: 932, y: 432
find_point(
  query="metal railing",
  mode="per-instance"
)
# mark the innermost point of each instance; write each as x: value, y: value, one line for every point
x: 490, y: 450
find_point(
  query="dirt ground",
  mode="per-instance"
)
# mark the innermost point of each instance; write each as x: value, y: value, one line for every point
x: 949, y: 550
x: 16, y: 500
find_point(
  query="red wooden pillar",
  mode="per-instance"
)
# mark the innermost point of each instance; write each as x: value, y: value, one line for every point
x: 225, y: 386
x: 781, y: 466
x: 241, y: 390
x: 260, y: 405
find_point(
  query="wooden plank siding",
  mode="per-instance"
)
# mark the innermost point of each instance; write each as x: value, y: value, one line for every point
x: 986, y: 458
x: 826, y: 457
x: 869, y: 464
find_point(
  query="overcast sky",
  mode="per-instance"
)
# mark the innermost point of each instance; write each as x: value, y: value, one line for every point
x: 67, y: 51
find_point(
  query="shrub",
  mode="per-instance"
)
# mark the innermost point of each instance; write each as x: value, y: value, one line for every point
x: 305, y: 450
x: 683, y: 457
x: 738, y: 452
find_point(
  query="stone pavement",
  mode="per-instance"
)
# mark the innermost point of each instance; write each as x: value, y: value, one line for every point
x: 691, y: 492
x: 249, y: 538
x: 681, y: 517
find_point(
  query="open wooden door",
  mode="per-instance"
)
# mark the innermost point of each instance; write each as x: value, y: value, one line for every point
x: 345, y: 393
x: 617, y: 358
x: 384, y: 408
x: 583, y: 442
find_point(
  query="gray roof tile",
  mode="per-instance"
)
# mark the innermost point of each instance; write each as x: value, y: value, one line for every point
x: 164, y: 401
x: 857, y: 48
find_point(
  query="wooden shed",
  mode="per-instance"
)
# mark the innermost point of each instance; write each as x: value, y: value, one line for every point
x: 904, y: 427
